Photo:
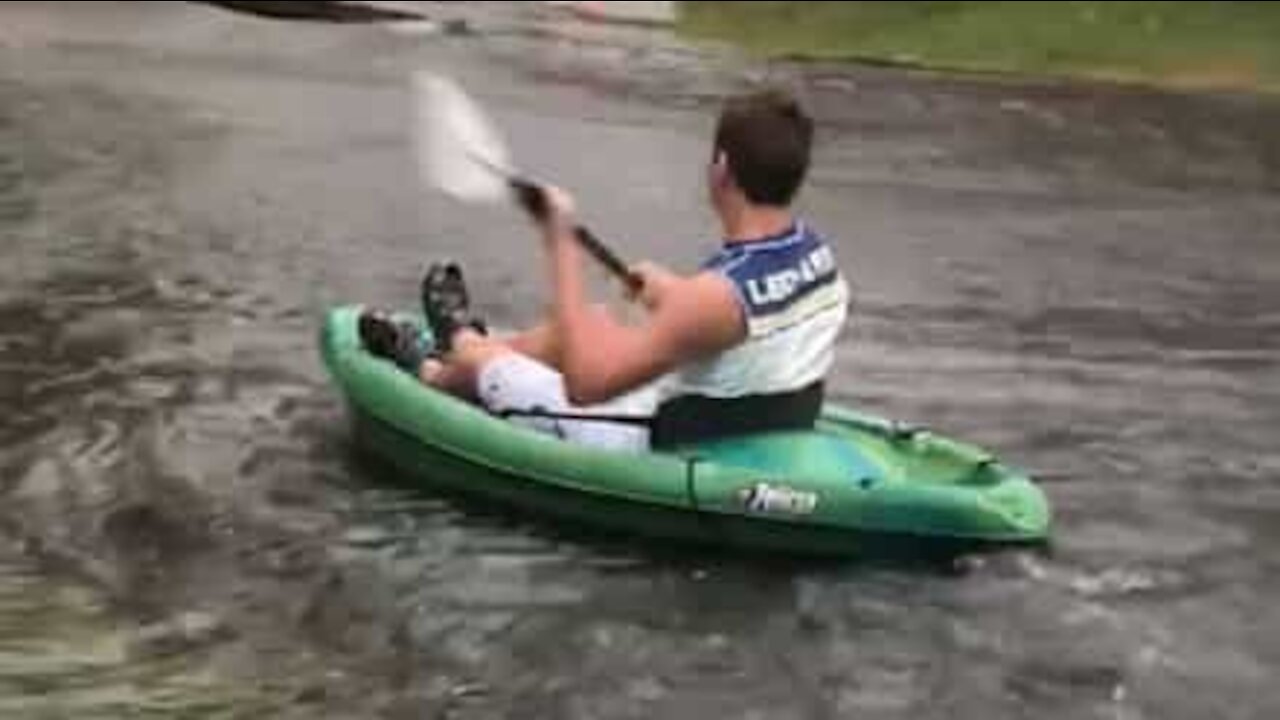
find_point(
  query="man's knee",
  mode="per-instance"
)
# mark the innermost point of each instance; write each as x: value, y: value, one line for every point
x: 473, y: 350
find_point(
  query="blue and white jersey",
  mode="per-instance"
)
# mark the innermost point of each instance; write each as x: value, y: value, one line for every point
x: 794, y: 302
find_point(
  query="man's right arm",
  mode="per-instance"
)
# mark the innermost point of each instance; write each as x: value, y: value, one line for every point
x: 689, y: 318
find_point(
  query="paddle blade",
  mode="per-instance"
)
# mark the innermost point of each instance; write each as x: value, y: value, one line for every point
x: 459, y: 151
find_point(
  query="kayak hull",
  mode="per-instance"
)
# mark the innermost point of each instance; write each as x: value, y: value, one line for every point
x: 850, y: 486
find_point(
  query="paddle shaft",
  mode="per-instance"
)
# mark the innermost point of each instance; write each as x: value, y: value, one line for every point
x: 532, y: 199
x: 530, y: 196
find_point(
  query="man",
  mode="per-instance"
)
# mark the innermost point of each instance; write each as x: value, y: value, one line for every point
x: 741, y: 346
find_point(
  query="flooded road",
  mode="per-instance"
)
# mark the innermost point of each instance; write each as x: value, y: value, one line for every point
x: 1086, y: 280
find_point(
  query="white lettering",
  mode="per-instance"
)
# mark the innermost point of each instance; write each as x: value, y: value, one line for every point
x: 793, y: 280
x: 777, y: 284
x: 763, y: 497
x: 781, y: 285
x: 807, y: 272
x: 822, y: 260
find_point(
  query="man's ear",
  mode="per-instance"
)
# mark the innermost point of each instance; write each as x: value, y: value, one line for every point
x: 720, y: 167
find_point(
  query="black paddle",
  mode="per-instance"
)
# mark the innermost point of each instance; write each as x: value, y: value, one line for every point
x: 460, y: 152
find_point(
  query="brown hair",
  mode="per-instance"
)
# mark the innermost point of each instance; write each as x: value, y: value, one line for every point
x: 765, y: 137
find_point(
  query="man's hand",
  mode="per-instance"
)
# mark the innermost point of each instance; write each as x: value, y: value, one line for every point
x: 559, y: 221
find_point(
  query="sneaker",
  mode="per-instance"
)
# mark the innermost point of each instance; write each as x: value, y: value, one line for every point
x: 400, y: 343
x: 446, y: 304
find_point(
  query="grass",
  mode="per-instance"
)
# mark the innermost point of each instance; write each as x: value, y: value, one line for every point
x: 1223, y: 45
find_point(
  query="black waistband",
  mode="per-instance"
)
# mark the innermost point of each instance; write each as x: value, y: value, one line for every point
x: 696, y: 418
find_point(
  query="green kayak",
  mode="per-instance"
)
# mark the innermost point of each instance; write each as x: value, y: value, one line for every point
x: 827, y: 491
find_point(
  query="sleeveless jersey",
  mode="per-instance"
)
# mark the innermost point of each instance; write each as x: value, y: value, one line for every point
x: 794, y: 302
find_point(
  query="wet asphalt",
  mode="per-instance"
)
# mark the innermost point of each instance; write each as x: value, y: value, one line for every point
x: 1082, y: 278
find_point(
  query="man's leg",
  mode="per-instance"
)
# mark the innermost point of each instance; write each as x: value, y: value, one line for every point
x: 541, y: 342
x: 516, y: 374
x: 456, y: 373
x: 504, y: 380
x: 531, y: 393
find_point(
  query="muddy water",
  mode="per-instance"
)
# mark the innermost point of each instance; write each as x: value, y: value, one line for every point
x: 1082, y: 278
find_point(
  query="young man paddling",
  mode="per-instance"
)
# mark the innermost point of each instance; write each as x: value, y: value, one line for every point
x: 743, y: 345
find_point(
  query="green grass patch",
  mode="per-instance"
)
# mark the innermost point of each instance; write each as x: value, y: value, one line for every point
x: 1232, y: 45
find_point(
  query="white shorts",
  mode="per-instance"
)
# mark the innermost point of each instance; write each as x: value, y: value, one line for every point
x: 518, y: 382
